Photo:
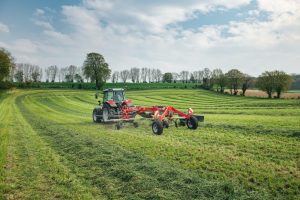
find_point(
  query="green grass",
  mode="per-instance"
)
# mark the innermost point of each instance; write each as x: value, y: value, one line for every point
x: 248, y: 148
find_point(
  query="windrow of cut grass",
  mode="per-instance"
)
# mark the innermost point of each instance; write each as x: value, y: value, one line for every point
x: 237, y: 153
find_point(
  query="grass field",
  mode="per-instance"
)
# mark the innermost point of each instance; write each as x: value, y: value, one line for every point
x: 248, y: 148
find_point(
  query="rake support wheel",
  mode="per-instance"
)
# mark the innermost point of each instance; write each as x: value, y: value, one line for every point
x: 157, y: 127
x: 192, y: 122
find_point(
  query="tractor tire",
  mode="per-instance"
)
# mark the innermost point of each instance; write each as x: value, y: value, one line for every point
x: 95, y: 118
x: 105, y: 114
x: 118, y: 126
x: 192, y: 123
x: 157, y: 127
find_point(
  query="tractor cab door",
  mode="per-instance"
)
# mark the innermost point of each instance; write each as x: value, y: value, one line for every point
x: 108, y: 95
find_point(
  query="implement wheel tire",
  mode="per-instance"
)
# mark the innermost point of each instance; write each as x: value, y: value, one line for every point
x: 157, y: 127
x: 192, y: 122
x: 95, y: 118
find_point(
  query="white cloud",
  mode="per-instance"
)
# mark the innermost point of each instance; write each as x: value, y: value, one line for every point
x: 147, y: 34
x: 25, y: 46
x: 42, y: 19
x: 43, y: 24
x: 39, y: 12
x: 4, y: 28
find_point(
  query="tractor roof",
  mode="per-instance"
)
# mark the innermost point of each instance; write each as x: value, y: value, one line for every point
x: 113, y: 89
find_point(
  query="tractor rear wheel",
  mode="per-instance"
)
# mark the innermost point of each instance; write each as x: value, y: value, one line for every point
x: 157, y: 127
x: 119, y: 126
x: 192, y: 123
x: 95, y: 118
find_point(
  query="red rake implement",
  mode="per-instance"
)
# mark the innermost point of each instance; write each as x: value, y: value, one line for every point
x: 117, y: 109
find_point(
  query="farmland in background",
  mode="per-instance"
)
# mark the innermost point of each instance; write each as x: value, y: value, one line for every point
x: 248, y: 148
x: 292, y: 94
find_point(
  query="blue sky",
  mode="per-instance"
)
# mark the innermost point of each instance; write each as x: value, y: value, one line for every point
x: 252, y: 35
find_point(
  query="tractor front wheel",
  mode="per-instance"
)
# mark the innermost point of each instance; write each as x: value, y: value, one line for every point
x: 96, y: 119
x: 157, y: 127
x: 192, y: 123
x: 105, y: 114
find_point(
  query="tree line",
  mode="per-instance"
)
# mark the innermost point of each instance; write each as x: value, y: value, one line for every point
x: 235, y: 80
x: 96, y: 70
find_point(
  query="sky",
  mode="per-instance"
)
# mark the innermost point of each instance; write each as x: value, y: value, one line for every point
x: 172, y: 35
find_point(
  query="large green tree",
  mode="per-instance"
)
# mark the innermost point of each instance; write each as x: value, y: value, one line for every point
x: 6, y: 64
x: 283, y: 82
x: 274, y: 81
x: 265, y: 82
x: 167, y: 77
x: 247, y: 81
x: 234, y: 80
x: 219, y: 79
x: 96, y: 69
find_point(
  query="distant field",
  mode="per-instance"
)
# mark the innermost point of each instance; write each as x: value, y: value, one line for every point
x: 248, y: 148
x: 291, y: 94
x: 294, y: 91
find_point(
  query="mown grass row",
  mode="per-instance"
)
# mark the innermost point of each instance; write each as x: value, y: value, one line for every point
x: 223, y: 159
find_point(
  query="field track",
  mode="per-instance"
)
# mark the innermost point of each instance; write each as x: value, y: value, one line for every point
x: 248, y: 148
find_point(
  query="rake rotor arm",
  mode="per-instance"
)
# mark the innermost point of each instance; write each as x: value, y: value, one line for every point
x: 171, y: 108
x: 162, y: 112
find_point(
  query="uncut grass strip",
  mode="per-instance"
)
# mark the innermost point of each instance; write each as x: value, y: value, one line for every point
x: 247, y: 112
x: 67, y: 99
x: 260, y: 121
x: 70, y: 104
x: 86, y: 100
x: 272, y: 148
x: 171, y: 100
x: 56, y: 105
x: 71, y: 100
x: 47, y: 112
x: 257, y: 129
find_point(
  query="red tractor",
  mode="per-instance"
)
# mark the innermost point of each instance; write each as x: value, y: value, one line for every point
x: 116, y: 108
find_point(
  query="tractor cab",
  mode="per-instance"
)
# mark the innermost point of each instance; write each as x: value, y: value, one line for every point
x: 113, y: 96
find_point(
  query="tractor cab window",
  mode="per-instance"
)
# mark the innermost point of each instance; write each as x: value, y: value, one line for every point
x: 118, y: 96
x: 108, y: 96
